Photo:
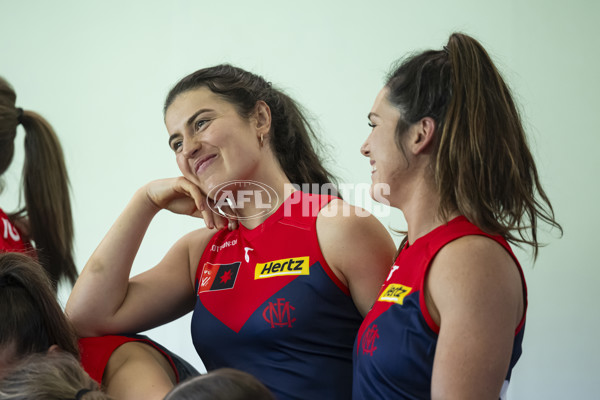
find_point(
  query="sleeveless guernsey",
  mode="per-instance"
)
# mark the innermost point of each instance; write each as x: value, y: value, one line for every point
x: 395, y: 346
x: 268, y: 304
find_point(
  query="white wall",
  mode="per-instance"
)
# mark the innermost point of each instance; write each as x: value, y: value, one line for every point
x: 99, y: 71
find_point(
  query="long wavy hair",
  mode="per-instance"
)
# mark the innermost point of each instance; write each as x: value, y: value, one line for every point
x: 483, y: 166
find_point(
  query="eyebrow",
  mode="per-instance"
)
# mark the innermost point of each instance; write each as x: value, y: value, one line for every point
x: 372, y: 114
x: 189, y: 122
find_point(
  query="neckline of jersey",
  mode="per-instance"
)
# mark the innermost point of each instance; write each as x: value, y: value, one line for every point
x: 272, y: 219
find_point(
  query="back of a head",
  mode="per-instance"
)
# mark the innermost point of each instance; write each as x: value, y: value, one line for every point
x: 483, y: 166
x: 8, y: 124
x: 221, y: 384
x: 45, y: 185
x: 32, y: 319
x: 52, y: 376
x: 292, y: 139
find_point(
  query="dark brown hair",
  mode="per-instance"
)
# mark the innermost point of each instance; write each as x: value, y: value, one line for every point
x: 53, y: 376
x: 221, y: 384
x: 483, y: 166
x: 32, y: 319
x: 45, y: 186
x: 291, y: 135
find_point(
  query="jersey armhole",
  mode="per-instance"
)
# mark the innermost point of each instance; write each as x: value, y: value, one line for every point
x: 317, y: 209
x: 334, y: 277
x: 96, y: 352
x: 423, y: 305
x: 150, y: 343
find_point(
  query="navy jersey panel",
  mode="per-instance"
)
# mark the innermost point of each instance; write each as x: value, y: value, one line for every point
x: 395, y: 346
x: 268, y: 304
x: 394, y: 332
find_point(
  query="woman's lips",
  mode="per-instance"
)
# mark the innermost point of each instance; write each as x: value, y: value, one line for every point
x: 204, y: 163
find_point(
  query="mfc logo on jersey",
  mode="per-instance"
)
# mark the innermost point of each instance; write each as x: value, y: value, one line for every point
x: 286, y: 266
x: 395, y: 293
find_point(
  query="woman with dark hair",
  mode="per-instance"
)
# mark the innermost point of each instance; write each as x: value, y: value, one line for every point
x: 34, y: 323
x: 46, y: 216
x: 32, y: 320
x: 448, y: 140
x: 281, y: 296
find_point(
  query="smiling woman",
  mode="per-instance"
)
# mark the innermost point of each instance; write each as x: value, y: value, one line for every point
x: 448, y: 140
x: 281, y: 296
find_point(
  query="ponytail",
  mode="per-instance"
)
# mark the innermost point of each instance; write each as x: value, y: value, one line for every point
x: 483, y: 166
x: 45, y: 186
x: 48, y: 206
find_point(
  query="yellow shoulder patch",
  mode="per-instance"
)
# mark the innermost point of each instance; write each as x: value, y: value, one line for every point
x: 395, y: 293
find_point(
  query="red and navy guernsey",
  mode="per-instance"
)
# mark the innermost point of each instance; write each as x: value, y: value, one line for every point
x: 395, y: 346
x: 269, y: 304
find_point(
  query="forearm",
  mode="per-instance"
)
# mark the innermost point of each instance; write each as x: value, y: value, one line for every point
x: 103, y: 284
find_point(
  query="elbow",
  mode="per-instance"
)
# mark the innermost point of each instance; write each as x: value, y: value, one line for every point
x: 83, y: 322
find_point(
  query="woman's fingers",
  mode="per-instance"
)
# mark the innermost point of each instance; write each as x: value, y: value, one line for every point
x: 181, y: 196
x: 195, y: 194
x: 208, y: 216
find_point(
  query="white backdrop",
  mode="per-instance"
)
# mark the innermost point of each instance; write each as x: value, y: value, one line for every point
x: 99, y: 72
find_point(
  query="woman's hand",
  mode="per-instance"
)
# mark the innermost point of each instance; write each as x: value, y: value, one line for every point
x: 107, y: 300
x: 181, y: 196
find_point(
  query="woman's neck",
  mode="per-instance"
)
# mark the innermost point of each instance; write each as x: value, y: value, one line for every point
x: 421, y: 211
x: 261, y: 198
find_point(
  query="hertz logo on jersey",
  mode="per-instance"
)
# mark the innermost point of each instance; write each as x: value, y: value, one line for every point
x: 286, y: 266
x: 395, y: 293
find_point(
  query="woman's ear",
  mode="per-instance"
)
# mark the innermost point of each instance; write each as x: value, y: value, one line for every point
x: 54, y: 349
x: 262, y: 118
x: 423, y: 135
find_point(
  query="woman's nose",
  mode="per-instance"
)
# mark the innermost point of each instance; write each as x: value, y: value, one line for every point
x: 364, y: 149
x: 190, y: 146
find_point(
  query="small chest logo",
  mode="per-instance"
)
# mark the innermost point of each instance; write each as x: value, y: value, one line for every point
x: 395, y: 293
x: 286, y: 266
x: 218, y: 276
x: 279, y: 314
x: 368, y: 340
x: 246, y: 255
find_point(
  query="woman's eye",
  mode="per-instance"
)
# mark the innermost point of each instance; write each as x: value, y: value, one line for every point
x: 372, y: 125
x: 176, y: 145
x: 199, y: 124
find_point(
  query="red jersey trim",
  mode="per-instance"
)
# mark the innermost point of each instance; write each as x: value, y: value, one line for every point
x: 324, y: 263
x: 96, y: 351
x: 498, y: 239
